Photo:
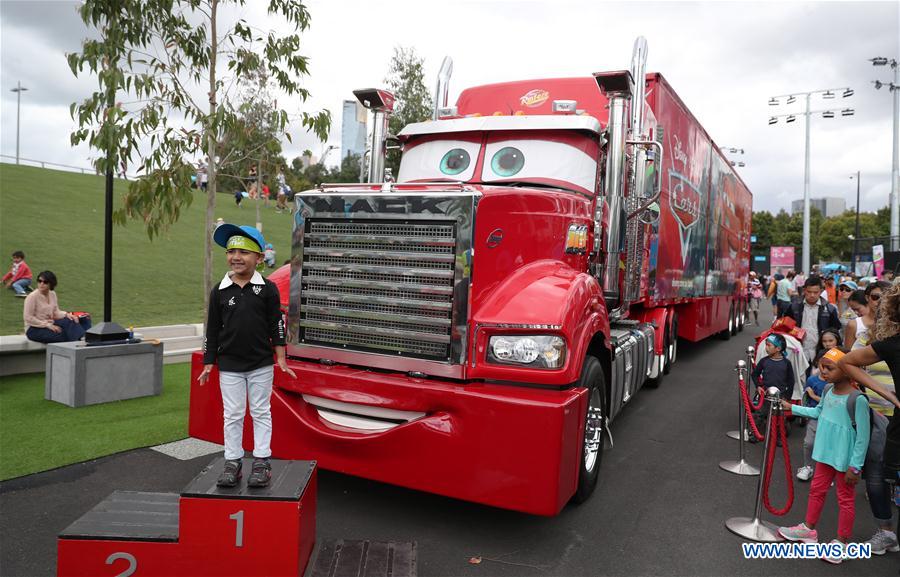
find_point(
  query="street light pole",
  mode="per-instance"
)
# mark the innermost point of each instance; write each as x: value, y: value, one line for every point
x: 791, y: 98
x: 856, y: 228
x: 894, y: 88
x: 805, y: 265
x: 19, y: 89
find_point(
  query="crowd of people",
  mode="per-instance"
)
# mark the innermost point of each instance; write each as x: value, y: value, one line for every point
x: 845, y: 334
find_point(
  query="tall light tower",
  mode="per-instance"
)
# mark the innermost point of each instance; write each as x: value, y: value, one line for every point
x: 826, y: 94
x: 19, y: 89
x: 894, y: 87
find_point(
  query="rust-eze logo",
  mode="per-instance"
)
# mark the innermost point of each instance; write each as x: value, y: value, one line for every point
x: 534, y: 98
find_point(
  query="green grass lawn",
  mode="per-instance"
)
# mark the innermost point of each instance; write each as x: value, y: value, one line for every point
x: 56, y: 218
x: 38, y: 435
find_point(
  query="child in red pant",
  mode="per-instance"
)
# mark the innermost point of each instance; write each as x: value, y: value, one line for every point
x: 839, y: 453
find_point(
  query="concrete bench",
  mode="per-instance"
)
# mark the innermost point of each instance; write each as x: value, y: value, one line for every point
x: 19, y: 356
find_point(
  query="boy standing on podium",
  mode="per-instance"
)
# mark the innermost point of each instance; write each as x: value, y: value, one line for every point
x: 243, y: 326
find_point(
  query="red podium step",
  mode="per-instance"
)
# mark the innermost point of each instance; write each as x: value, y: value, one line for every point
x: 205, y: 531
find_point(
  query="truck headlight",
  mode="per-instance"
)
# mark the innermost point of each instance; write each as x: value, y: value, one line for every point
x: 534, y: 351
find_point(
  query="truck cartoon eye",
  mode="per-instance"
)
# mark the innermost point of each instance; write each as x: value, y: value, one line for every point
x: 455, y: 161
x: 507, y: 161
x: 552, y: 162
x: 442, y: 159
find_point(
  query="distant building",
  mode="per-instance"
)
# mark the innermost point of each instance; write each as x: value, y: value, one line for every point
x: 307, y: 161
x: 829, y: 206
x: 353, y: 129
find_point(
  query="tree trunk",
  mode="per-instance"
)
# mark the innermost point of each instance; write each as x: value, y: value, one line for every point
x: 259, y: 170
x: 211, y: 159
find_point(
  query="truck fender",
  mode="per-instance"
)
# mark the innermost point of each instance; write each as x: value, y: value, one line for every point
x: 661, y: 318
x: 551, y: 294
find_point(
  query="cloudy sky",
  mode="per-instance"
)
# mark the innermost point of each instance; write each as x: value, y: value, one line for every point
x: 725, y: 59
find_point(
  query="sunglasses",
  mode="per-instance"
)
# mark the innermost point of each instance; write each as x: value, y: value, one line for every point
x: 875, y: 296
x: 42, y: 281
x: 845, y: 289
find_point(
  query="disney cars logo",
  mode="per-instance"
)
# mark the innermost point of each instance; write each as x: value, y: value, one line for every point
x: 534, y: 98
x: 685, y: 205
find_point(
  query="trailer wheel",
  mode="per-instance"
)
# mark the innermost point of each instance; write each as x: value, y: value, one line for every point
x: 726, y: 334
x: 743, y: 317
x: 664, y: 360
x: 593, y: 379
x: 672, y: 345
x: 736, y: 317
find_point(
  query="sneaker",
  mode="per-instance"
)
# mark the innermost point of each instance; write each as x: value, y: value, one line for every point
x: 805, y: 473
x: 231, y: 474
x: 883, y: 541
x: 839, y: 559
x: 261, y: 473
x: 21, y: 295
x: 800, y: 533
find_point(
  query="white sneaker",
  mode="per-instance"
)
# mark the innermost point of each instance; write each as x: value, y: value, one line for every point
x: 805, y: 473
x: 837, y: 560
x: 883, y: 541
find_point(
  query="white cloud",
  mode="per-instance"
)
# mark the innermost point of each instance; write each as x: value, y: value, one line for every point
x: 725, y: 59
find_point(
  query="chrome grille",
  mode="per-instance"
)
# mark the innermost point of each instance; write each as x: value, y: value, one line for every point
x: 378, y: 286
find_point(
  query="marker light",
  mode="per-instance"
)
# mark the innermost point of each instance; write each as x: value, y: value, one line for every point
x: 536, y: 351
x: 576, y: 239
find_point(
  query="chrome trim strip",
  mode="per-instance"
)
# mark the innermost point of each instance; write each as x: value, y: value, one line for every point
x: 378, y: 316
x: 378, y: 285
x: 368, y: 299
x: 434, y: 338
x: 375, y: 269
x: 387, y: 362
x: 364, y: 252
x: 399, y: 240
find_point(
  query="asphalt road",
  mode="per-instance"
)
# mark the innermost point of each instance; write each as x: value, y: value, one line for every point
x: 659, y: 510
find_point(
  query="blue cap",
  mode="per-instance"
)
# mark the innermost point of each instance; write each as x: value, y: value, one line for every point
x: 225, y: 231
x: 850, y: 284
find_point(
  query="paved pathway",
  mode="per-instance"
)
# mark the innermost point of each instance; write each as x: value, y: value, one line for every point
x: 660, y: 509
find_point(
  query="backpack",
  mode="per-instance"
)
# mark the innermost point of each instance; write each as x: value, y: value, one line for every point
x: 877, y: 424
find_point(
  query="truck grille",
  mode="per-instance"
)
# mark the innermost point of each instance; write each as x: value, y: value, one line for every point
x: 379, y: 286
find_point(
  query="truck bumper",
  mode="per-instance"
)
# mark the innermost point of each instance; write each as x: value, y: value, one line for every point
x: 503, y: 446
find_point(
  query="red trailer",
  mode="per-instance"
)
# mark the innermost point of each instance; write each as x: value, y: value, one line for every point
x: 474, y: 328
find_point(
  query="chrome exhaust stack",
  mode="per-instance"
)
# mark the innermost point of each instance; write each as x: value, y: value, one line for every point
x: 637, y: 177
x: 381, y: 103
x: 617, y: 87
x: 441, y: 91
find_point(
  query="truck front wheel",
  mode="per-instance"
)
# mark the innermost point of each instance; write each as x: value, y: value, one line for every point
x: 592, y: 379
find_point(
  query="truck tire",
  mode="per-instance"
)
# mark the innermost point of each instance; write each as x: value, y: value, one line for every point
x: 665, y: 360
x: 726, y: 334
x: 737, y: 318
x: 672, y: 347
x: 743, y: 317
x: 592, y: 379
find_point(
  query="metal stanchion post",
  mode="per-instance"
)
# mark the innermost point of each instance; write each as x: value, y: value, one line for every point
x: 741, y: 466
x: 741, y: 433
x: 756, y: 529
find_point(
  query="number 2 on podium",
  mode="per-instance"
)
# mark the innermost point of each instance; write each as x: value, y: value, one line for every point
x: 239, y: 529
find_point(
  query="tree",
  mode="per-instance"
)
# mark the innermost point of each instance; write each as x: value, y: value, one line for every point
x: 406, y: 80
x: 162, y: 54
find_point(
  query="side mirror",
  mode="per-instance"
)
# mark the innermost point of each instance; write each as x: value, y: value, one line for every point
x: 650, y: 215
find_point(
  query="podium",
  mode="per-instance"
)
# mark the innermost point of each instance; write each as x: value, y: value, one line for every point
x: 204, y: 531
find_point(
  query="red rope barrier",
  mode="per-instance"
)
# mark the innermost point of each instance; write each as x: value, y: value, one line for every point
x: 747, y: 408
x: 777, y: 427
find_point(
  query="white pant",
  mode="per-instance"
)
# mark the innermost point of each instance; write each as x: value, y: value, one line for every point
x: 236, y: 387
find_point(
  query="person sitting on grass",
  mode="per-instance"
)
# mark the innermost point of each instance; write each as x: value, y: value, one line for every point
x: 244, y: 324
x: 839, y: 452
x: 44, y: 321
x: 18, y: 278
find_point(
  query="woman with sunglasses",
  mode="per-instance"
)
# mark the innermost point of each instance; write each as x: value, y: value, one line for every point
x: 44, y: 321
x: 845, y: 313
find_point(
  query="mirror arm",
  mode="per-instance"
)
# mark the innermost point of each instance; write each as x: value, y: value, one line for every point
x: 659, y: 182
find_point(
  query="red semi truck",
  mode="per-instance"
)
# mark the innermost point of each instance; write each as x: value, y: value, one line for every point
x: 474, y: 328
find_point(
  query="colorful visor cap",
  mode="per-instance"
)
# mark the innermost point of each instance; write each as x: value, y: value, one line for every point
x: 242, y: 243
